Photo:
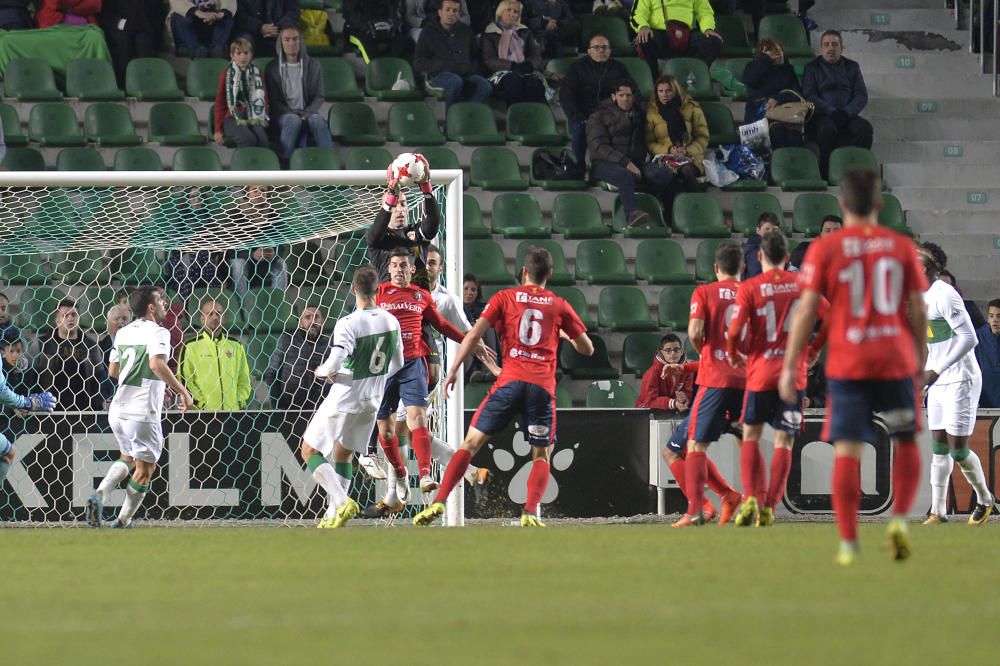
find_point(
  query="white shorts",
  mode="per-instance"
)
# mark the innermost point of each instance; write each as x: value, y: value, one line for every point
x: 353, y: 431
x: 142, y: 440
x: 952, y: 407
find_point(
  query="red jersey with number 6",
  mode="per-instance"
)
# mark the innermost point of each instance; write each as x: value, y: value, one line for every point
x: 715, y: 303
x: 866, y: 272
x: 528, y: 320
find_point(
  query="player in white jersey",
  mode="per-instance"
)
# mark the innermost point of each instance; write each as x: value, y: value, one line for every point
x: 367, y: 349
x: 138, y: 360
x: 953, y: 382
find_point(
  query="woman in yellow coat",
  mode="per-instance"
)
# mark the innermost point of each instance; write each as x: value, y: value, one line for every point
x: 676, y: 129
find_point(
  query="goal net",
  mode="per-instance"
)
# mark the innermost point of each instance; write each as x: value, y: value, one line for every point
x: 257, y: 267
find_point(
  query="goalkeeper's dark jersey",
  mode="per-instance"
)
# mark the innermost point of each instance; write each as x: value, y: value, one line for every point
x: 382, y: 240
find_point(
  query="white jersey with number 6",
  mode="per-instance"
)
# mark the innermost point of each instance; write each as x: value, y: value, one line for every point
x: 367, y: 349
x: 139, y: 396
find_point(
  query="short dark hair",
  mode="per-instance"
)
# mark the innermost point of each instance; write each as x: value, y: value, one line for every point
x: 995, y: 303
x: 10, y: 337
x: 729, y: 257
x: 774, y: 246
x: 768, y: 216
x: 671, y: 337
x: 625, y: 83
x: 66, y: 303
x: 432, y: 247
x: 936, y: 254
x: 834, y: 33
x: 538, y: 261
x: 142, y: 298
x: 832, y: 218
x: 365, y: 281
x: 3, y: 295
x: 861, y: 191
x: 401, y: 252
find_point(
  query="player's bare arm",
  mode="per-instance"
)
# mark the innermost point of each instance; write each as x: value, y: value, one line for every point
x: 802, y: 326
x: 470, y: 343
x: 582, y: 344
x: 158, y: 364
x: 113, y: 370
x: 696, y: 332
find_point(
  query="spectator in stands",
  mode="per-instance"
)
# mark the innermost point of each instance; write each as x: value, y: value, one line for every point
x: 664, y: 36
x: 472, y: 298
x: 117, y: 316
x: 262, y: 267
x: 132, y: 29
x: 512, y: 56
x: 667, y: 391
x: 831, y: 223
x: 6, y: 321
x: 69, y: 361
x: 70, y: 12
x: 377, y: 27
x: 835, y: 85
x: 446, y: 55
x: 194, y: 270
x: 588, y: 82
x: 14, y: 15
x: 766, y: 78
x: 202, y: 28
x: 616, y: 140
x: 553, y: 25
x: 677, y: 135
x: 260, y: 21
x: 988, y: 354
x: 422, y: 13
x: 15, y: 368
x: 175, y: 322
x: 289, y: 374
x: 970, y: 306
x: 751, y: 246
x: 213, y: 366
x: 295, y: 85
x: 241, y: 101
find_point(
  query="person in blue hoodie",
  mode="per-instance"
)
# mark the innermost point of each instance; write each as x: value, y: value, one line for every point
x: 751, y: 246
x: 988, y: 355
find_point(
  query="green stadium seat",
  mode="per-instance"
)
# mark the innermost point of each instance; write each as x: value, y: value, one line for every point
x: 267, y: 309
x: 749, y: 206
x: 353, y: 124
x: 152, y: 80
x: 558, y: 67
x: 577, y: 215
x: 699, y: 215
x: 596, y: 366
x: 23, y: 159
x: 262, y: 62
x: 30, y: 80
x: 472, y: 219
x: 137, y: 159
x: 661, y: 261
x: 12, y: 134
x: 439, y: 157
x: 314, y: 159
x: 80, y: 159
x: 137, y: 266
x: 472, y: 124
x: 675, y: 306
x: 87, y: 267
x: 612, y: 27
x: 92, y: 80
x: 560, y: 271
x: 367, y: 158
x: 199, y: 158
x: 790, y: 32
x: 552, y: 184
x: 174, y: 124
x: 809, y: 210
x: 109, y: 124
x: 892, y: 215
x: 578, y: 302
x: 532, y: 124
x: 735, y: 43
x: 653, y: 227
x: 495, y: 168
x: 259, y: 348
x: 602, y: 262
x: 681, y: 68
x: 704, y: 260
x: 203, y: 77
x: 563, y: 399
x: 38, y: 305
x: 846, y: 157
x: 721, y: 125
x: 624, y: 309
x: 613, y: 394
x: 339, y: 82
x: 639, y: 71
x: 638, y: 352
x: 474, y: 393
x: 23, y: 269
x: 254, y: 158
x: 517, y: 215
x: 729, y: 75
x: 54, y: 124
x: 796, y: 170
x: 485, y: 260
x: 413, y: 124
x: 382, y: 73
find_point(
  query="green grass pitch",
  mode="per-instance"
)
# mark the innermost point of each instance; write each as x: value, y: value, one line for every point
x: 610, y: 594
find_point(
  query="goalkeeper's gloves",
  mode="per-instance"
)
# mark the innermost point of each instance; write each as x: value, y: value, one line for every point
x: 425, y: 184
x: 39, y: 402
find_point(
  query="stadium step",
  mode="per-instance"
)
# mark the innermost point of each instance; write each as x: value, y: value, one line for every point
x: 963, y: 151
x: 935, y: 175
x: 953, y: 223
x: 870, y: 17
x: 948, y: 197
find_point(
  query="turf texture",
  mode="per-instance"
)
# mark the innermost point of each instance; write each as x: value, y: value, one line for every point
x: 618, y: 595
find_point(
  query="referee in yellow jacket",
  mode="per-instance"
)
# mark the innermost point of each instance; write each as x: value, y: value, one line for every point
x: 213, y: 366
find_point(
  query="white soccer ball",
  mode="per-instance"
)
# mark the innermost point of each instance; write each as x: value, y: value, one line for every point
x: 408, y: 170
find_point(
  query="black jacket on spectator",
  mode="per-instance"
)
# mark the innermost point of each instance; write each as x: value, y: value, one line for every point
x: 73, y: 370
x: 751, y: 264
x: 363, y: 18
x: 835, y: 87
x: 765, y: 80
x: 615, y: 136
x: 252, y: 14
x: 440, y: 50
x: 289, y: 376
x: 587, y: 84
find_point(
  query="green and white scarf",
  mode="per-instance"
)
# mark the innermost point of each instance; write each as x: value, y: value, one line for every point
x: 245, y: 95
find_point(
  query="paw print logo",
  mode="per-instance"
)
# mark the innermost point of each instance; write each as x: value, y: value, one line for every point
x: 518, y: 488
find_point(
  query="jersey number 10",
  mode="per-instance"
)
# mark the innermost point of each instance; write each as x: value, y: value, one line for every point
x: 887, y: 286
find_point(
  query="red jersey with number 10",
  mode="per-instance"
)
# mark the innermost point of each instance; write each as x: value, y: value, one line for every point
x: 714, y: 303
x: 412, y: 306
x: 866, y: 272
x: 528, y: 320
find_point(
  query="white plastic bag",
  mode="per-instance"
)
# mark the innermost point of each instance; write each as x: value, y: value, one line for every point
x: 717, y: 173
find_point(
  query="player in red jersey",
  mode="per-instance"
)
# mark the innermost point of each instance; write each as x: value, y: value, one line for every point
x: 720, y: 386
x: 412, y: 306
x: 530, y: 320
x: 877, y: 342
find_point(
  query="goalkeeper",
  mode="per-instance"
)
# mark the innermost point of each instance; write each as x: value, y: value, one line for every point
x: 22, y: 404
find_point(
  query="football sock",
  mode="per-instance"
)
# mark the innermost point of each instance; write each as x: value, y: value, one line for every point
x: 677, y: 469
x: 391, y: 449
x: 972, y: 470
x: 905, y: 476
x: 453, y: 474
x: 422, y: 449
x: 751, y: 469
x: 847, y: 495
x: 538, y: 479
x: 696, y: 470
x: 134, y: 492
x: 390, y: 494
x: 781, y: 464
x: 942, y: 465
x: 326, y: 477
x: 118, y: 471
x: 4, y: 468
x: 345, y: 472
x: 715, y: 480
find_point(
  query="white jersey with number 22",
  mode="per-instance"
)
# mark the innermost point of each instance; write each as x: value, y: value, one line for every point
x: 139, y: 396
